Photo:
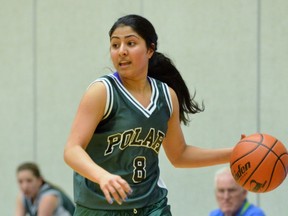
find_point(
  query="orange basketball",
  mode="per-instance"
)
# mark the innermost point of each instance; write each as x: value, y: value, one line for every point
x: 259, y: 163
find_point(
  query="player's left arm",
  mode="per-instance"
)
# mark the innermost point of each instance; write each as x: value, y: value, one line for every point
x: 48, y: 205
x: 20, y: 209
x: 182, y: 155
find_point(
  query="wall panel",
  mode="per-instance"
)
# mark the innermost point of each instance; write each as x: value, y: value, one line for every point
x: 233, y: 53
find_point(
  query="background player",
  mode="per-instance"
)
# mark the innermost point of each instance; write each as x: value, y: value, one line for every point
x: 37, y: 196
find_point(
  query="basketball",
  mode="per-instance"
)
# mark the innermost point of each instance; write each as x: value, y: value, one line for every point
x: 259, y: 163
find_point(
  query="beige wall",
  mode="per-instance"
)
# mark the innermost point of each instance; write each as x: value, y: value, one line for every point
x: 234, y: 53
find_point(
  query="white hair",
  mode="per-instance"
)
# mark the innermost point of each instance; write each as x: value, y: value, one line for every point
x: 222, y: 171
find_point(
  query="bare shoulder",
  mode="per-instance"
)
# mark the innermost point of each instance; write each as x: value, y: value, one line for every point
x: 96, y: 88
x: 48, y: 204
x: 19, y: 204
x: 96, y: 93
x: 20, y: 196
x: 49, y: 198
x: 174, y: 99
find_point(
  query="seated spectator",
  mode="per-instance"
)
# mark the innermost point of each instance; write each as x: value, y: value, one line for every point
x: 231, y: 197
x: 38, y: 197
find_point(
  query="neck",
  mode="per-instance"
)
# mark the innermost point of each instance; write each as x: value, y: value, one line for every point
x: 139, y: 85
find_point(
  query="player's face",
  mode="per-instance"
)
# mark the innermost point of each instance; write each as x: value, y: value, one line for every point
x: 129, y: 52
x: 230, y: 196
x: 29, y: 184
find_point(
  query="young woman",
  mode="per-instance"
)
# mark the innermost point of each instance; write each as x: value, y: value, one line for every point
x: 37, y: 197
x: 122, y: 121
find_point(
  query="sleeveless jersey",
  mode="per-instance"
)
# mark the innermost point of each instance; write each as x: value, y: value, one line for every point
x: 32, y: 207
x: 127, y: 142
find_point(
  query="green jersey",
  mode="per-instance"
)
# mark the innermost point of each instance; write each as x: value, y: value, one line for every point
x: 126, y: 143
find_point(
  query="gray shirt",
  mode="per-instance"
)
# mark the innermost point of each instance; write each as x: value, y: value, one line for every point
x: 32, y: 207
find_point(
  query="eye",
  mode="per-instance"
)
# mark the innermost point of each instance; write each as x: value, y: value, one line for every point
x: 232, y: 190
x: 131, y: 43
x: 114, y: 45
x: 221, y: 191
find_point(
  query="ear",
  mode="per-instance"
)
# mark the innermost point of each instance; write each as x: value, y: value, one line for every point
x: 151, y: 50
x: 41, y: 180
x: 245, y: 192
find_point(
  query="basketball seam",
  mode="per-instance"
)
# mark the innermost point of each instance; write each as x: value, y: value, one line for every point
x: 258, y: 144
x: 269, y: 149
x: 252, y: 141
x: 246, y: 153
x: 278, y: 159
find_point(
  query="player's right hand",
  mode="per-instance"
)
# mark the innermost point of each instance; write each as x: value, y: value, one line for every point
x: 114, y: 187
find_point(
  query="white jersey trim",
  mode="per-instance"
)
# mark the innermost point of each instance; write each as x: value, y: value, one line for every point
x: 161, y: 183
x: 109, y: 98
x: 168, y: 97
x: 153, y: 99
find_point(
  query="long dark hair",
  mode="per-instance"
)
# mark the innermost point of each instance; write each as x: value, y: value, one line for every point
x: 160, y: 66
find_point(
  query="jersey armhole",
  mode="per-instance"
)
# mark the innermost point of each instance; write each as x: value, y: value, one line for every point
x: 55, y: 193
x: 168, y: 97
x: 109, y: 98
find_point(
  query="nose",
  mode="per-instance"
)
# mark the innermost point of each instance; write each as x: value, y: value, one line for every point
x: 123, y: 50
x: 23, y: 186
x: 226, y: 195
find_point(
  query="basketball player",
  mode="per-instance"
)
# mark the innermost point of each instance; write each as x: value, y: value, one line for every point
x: 122, y: 121
x: 38, y: 197
x: 231, y: 198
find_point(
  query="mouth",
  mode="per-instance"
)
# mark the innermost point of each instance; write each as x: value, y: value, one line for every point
x: 124, y: 63
x: 27, y: 193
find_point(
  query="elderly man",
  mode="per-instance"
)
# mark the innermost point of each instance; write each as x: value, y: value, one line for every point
x: 231, y: 198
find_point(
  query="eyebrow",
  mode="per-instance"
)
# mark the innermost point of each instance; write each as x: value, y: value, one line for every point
x: 127, y: 36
